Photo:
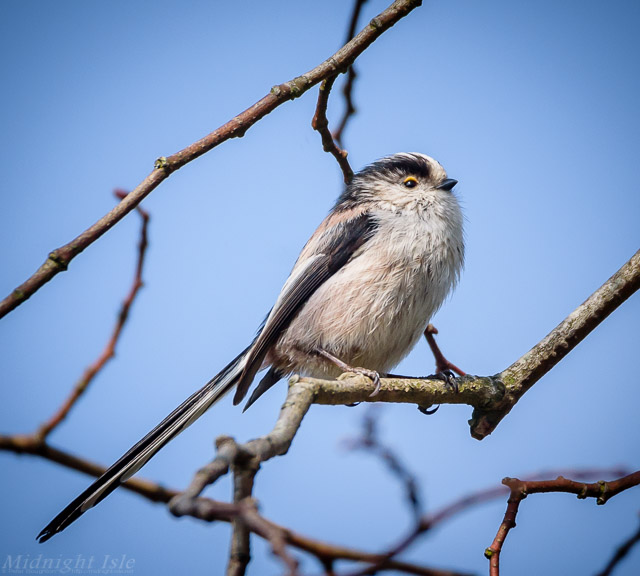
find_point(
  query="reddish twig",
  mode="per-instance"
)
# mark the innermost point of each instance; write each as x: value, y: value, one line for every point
x: 481, y: 496
x: 109, y: 351
x: 59, y: 259
x: 520, y: 489
x: 347, y: 89
x: 31, y: 444
x: 321, y: 124
x: 441, y: 362
x: 620, y: 553
x: 430, y: 521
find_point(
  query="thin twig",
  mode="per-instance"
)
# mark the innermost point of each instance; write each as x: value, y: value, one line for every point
x: 347, y: 89
x: 31, y: 444
x: 519, y: 490
x: 321, y: 124
x: 431, y: 521
x: 59, y: 259
x: 110, y: 349
x: 441, y: 362
x: 436, y: 518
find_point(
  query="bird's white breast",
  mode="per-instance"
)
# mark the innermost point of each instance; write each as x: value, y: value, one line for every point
x: 373, y: 310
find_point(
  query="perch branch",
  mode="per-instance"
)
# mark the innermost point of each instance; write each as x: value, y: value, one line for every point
x: 246, y: 459
x: 527, y: 370
x: 492, y: 397
x: 59, y: 259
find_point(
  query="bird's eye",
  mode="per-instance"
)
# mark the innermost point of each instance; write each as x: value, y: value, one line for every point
x: 410, y: 182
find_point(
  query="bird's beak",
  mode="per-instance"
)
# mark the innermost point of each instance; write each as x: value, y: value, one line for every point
x: 447, y: 184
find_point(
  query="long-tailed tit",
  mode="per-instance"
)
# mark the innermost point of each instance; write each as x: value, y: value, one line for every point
x: 360, y: 294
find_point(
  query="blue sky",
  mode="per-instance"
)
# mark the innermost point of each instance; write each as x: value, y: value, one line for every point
x: 531, y: 106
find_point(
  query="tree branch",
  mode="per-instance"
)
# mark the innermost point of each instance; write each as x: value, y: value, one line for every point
x: 430, y: 521
x: 527, y: 370
x: 347, y: 89
x: 246, y: 459
x: 321, y: 124
x: 31, y: 444
x: 210, y: 510
x: 59, y: 259
x: 520, y: 489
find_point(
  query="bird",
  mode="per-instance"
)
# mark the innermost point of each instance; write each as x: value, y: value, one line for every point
x: 359, y: 297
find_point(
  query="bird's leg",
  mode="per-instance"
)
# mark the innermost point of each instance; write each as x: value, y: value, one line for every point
x: 444, y: 368
x: 372, y: 374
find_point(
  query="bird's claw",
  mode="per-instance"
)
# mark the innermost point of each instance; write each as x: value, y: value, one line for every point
x: 448, y: 377
x: 427, y: 410
x: 375, y: 377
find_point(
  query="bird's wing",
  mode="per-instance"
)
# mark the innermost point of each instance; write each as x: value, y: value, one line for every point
x: 338, y: 241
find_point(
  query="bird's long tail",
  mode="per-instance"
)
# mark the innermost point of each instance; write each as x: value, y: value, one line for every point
x: 139, y: 454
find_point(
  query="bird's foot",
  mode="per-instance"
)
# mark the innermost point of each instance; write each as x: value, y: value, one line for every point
x: 447, y: 376
x: 371, y: 374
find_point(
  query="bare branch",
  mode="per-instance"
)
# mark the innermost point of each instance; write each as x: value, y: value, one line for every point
x: 321, y: 124
x: 244, y: 468
x: 526, y: 371
x: 110, y: 349
x: 347, y: 89
x: 430, y: 521
x: 520, y: 489
x: 59, y: 259
x: 434, y: 519
x: 276, y: 443
x: 33, y: 445
x: 245, y: 459
x: 211, y: 510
